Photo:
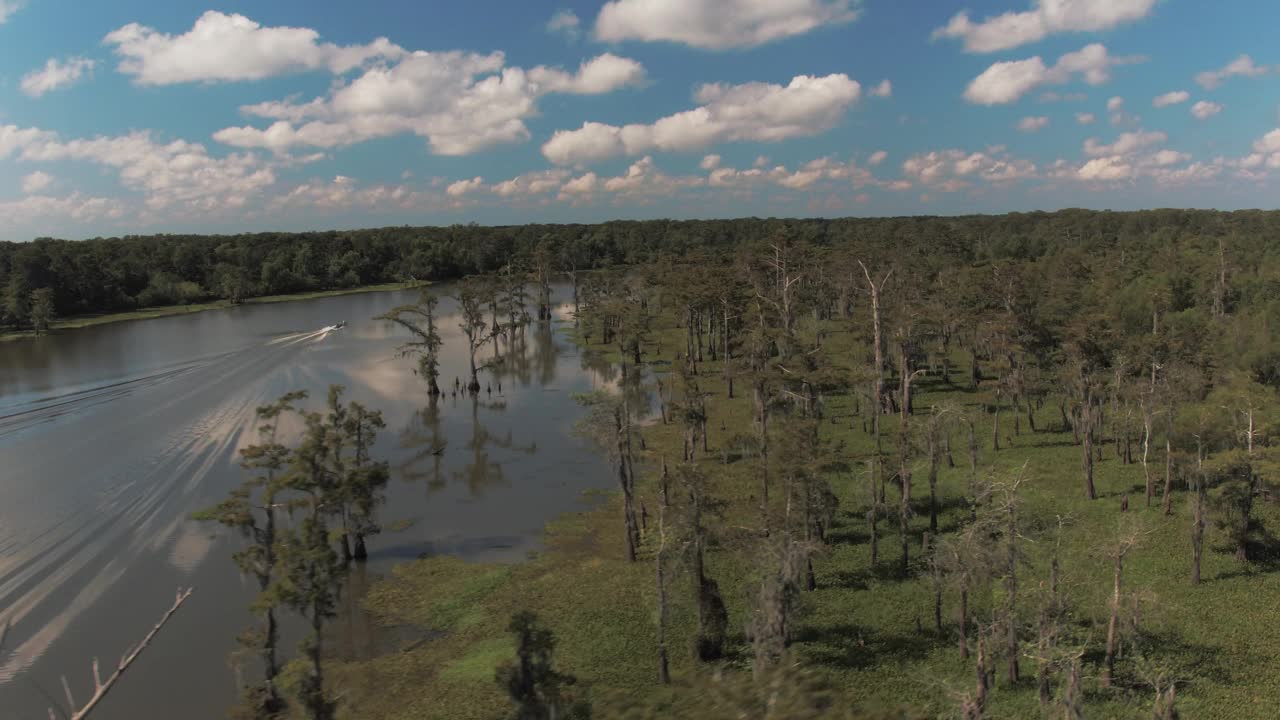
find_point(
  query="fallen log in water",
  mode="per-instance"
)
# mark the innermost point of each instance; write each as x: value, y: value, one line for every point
x: 100, y: 687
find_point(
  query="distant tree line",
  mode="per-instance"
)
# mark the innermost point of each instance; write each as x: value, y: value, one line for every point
x: 126, y: 273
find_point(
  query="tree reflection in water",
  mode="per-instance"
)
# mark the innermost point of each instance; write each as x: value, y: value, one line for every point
x: 425, y: 439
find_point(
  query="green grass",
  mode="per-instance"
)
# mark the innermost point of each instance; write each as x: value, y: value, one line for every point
x: 867, y: 630
x: 82, y: 321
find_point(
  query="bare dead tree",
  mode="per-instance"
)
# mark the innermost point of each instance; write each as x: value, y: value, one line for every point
x: 878, y: 341
x: 1007, y: 507
x: 770, y: 631
x: 966, y: 558
x: 102, y: 687
x: 1129, y: 539
x: 1049, y: 623
x: 1147, y: 421
x: 664, y: 671
x: 1072, y: 700
x: 873, y: 509
x: 904, y: 465
x: 1220, y: 287
x: 1167, y: 503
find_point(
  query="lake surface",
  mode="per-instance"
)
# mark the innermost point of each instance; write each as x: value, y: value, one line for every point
x: 110, y: 436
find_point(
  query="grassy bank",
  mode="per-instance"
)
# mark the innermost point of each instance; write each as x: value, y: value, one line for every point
x: 82, y: 321
x: 867, y: 630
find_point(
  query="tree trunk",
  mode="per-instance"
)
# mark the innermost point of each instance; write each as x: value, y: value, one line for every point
x: 1086, y: 419
x: 762, y: 436
x: 980, y: 693
x: 664, y: 672
x: 728, y: 366
x: 973, y: 460
x: 1146, y: 449
x: 963, y: 620
x: 1011, y: 594
x: 904, y: 468
x: 1168, y: 471
x: 1109, y: 662
x: 628, y: 501
x: 873, y: 513
x: 474, y: 385
x: 630, y: 471
x: 1197, y: 531
x: 933, y: 481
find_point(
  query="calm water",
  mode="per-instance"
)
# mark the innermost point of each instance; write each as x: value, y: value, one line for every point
x: 111, y: 436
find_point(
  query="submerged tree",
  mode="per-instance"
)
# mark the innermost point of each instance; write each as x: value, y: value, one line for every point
x: 471, y: 299
x: 420, y: 320
x: 312, y: 571
x: 252, y: 510
x: 366, y: 478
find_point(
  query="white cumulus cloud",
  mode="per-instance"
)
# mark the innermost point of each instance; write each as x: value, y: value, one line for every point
x: 566, y: 22
x: 598, y: 75
x: 7, y: 8
x: 462, y: 187
x: 1006, y: 82
x: 761, y: 112
x: 1085, y: 118
x: 1013, y: 29
x: 460, y: 102
x: 14, y: 139
x: 55, y: 74
x: 1125, y: 144
x: 802, y: 178
x: 530, y: 184
x: 36, y: 181
x: 1242, y: 66
x: 1105, y: 168
x: 1032, y: 123
x: 643, y: 178
x: 954, y: 170
x: 717, y: 24
x: 172, y: 174
x: 1204, y: 109
x: 222, y: 47
x: 884, y: 89
x: 1171, y: 98
x: 77, y: 207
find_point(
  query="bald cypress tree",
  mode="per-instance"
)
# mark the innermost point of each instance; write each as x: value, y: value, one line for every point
x: 253, y: 509
x: 419, y: 319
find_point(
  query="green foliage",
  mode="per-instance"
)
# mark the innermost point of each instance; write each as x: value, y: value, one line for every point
x: 41, y: 310
x: 537, y: 690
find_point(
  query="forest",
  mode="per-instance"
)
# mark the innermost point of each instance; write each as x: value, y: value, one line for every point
x: 1013, y: 466
x: 104, y: 275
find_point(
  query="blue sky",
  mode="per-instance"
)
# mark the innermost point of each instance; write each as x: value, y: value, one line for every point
x: 134, y: 116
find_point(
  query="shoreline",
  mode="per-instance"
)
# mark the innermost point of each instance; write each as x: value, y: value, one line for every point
x: 77, y: 322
